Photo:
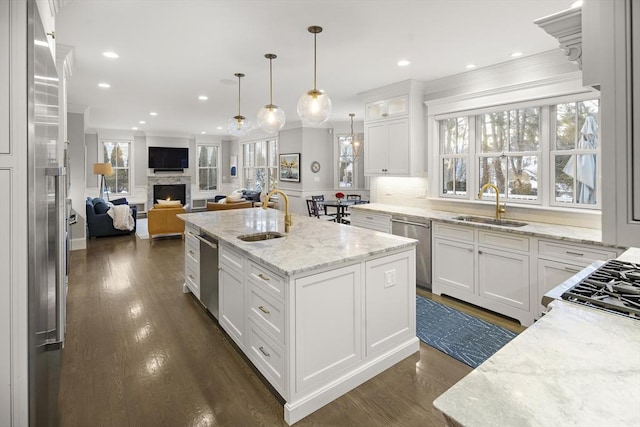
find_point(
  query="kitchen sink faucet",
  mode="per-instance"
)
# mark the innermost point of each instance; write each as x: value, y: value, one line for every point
x: 499, y: 209
x: 287, y: 215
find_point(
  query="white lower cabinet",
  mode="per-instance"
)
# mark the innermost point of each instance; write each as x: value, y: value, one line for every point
x: 486, y: 268
x: 192, y: 261
x: 371, y: 221
x: 551, y: 274
x: 316, y: 335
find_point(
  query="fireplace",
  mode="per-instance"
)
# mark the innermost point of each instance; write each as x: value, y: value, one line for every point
x: 170, y: 192
x: 183, y: 181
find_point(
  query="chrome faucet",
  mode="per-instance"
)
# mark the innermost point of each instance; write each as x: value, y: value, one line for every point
x: 499, y: 209
x: 287, y: 215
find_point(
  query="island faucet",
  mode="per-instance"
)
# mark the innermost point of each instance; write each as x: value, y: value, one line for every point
x: 499, y: 209
x: 287, y: 215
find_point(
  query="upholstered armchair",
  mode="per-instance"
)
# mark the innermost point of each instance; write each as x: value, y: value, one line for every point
x: 162, y: 219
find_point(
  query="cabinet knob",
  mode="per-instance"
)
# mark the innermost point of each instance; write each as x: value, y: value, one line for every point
x: 264, y: 310
x: 192, y: 277
x: 479, y: 252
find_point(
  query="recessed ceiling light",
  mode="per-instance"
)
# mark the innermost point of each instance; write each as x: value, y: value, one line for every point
x: 516, y: 54
x: 111, y: 55
x: 104, y: 85
x: 142, y: 122
x: 203, y: 97
x: 470, y: 66
x: 153, y: 113
x: 203, y: 132
x: 575, y: 4
x: 219, y: 128
x: 135, y: 128
x: 403, y: 63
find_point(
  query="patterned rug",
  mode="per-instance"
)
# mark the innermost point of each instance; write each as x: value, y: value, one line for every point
x: 459, y: 335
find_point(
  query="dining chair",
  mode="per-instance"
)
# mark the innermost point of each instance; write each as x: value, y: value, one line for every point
x: 314, y: 210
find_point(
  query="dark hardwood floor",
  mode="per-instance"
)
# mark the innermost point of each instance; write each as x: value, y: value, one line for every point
x: 139, y: 352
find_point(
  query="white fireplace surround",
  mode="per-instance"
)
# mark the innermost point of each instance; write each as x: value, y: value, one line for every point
x: 168, y: 180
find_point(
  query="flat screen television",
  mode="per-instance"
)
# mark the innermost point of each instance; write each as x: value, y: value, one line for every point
x: 168, y: 158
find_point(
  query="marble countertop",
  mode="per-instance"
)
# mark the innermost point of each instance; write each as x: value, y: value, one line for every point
x: 537, y: 229
x: 311, y: 244
x: 576, y: 366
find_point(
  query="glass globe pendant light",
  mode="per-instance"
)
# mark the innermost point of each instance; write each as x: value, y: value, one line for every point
x: 314, y: 106
x: 238, y: 126
x: 271, y: 118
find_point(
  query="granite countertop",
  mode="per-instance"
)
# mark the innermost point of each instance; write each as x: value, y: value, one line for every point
x: 311, y: 244
x: 537, y: 229
x: 576, y: 366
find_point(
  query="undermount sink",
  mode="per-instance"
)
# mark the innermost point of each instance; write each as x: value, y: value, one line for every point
x: 257, y: 237
x: 490, y: 221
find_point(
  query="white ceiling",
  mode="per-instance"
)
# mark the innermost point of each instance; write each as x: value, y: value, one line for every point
x: 173, y: 51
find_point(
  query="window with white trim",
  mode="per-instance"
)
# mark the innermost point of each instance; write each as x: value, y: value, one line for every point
x: 348, y: 170
x: 260, y: 165
x: 546, y: 155
x: 118, y: 154
x: 208, y: 160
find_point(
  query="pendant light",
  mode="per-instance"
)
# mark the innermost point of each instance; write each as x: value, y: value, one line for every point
x: 314, y: 106
x: 271, y: 118
x: 356, y: 144
x: 238, y: 126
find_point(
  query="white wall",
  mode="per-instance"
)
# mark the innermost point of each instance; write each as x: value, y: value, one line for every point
x: 77, y: 172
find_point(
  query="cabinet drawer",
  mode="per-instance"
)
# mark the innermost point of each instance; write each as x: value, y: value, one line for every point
x: 372, y: 221
x: 266, y: 280
x: 267, y: 312
x: 574, y: 252
x: 230, y: 258
x: 192, y: 248
x: 192, y: 278
x: 267, y: 357
x: 191, y: 230
x: 453, y: 232
x: 504, y: 240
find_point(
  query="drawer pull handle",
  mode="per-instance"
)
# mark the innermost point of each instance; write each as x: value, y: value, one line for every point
x: 572, y: 270
x: 191, y: 252
x: 263, y: 277
x: 192, y: 277
x: 574, y: 253
x: 263, y: 351
x: 264, y: 310
x: 369, y: 217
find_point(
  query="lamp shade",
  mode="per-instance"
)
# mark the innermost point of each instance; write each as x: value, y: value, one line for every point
x: 314, y: 107
x: 102, y: 169
x: 271, y: 118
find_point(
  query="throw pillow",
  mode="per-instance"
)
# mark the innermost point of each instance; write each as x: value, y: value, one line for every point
x: 171, y: 203
x: 100, y: 207
x: 120, y: 201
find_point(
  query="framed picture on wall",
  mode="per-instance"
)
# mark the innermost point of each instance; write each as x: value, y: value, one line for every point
x: 290, y: 167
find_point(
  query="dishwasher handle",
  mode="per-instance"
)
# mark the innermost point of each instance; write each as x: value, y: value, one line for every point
x: 205, y: 241
x: 417, y: 224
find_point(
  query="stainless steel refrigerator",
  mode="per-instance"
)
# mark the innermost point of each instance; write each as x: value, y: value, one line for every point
x: 47, y: 228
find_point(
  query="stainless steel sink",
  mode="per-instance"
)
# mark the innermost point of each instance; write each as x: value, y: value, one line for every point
x: 489, y: 221
x: 257, y: 237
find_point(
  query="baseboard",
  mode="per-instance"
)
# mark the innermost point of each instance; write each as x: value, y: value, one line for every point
x: 78, y: 244
x: 295, y: 411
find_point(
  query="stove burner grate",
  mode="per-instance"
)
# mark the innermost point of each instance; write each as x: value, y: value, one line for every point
x: 614, y: 287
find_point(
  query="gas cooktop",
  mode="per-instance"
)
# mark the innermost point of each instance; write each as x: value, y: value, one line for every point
x: 614, y: 287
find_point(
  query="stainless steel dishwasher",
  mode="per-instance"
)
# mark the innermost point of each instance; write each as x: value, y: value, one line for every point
x: 209, y: 273
x: 421, y: 231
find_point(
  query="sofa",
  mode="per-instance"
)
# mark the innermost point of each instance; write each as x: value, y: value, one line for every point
x: 242, y: 204
x: 99, y: 223
x: 162, y: 219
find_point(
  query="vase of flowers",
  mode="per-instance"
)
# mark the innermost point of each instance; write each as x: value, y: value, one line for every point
x: 339, y: 196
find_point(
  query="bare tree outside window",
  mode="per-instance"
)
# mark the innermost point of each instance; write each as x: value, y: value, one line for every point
x: 260, y: 165
x: 117, y: 154
x: 207, y: 167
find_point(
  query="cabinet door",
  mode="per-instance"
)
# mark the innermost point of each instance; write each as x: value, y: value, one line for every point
x: 376, y: 149
x: 453, y: 266
x: 504, y: 277
x: 398, y: 147
x: 550, y: 275
x: 232, y: 316
x: 328, y: 326
x: 390, y: 303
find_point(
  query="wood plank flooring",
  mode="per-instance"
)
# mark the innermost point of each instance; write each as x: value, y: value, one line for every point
x: 139, y: 352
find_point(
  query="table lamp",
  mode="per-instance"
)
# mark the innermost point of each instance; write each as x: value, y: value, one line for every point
x: 102, y: 169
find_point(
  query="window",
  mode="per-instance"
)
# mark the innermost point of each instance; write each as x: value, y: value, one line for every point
x: 260, y: 165
x: 348, y: 170
x: 520, y: 149
x: 118, y: 154
x: 207, y: 167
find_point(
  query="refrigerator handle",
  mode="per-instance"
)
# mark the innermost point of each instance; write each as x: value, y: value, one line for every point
x: 58, y: 173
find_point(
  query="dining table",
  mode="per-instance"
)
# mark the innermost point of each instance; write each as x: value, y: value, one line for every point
x: 341, y: 206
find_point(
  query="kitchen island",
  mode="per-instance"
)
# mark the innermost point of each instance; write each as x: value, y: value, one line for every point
x: 318, y: 311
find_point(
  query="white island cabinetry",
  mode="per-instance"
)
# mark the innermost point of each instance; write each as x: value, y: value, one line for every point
x: 317, y: 317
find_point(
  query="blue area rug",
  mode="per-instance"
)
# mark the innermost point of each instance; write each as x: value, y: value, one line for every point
x: 463, y: 337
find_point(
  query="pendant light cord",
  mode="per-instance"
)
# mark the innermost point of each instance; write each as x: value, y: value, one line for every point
x: 270, y: 81
x: 239, y: 96
x: 314, y: 61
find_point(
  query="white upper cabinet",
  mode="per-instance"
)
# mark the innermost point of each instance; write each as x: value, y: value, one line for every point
x: 394, y: 139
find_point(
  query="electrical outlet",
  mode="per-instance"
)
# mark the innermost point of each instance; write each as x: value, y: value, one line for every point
x: 389, y: 278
